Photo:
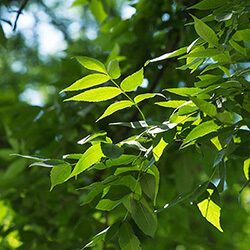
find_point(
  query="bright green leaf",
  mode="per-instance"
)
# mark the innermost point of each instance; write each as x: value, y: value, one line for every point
x: 91, y: 63
x: 210, y: 210
x: 246, y: 168
x: 133, y: 81
x: 184, y: 91
x: 171, y: 104
x: 143, y: 97
x: 159, y: 148
x: 97, y: 94
x: 87, y: 82
x: 91, y: 156
x: 115, y: 107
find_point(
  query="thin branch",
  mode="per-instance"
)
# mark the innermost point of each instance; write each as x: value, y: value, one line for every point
x: 19, y: 12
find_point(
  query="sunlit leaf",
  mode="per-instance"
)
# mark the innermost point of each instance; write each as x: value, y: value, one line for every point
x: 91, y: 63
x: 91, y: 156
x: 115, y: 107
x: 143, y: 97
x: 246, y: 168
x: 210, y: 210
x: 97, y: 94
x: 159, y: 148
x: 133, y: 81
x: 204, y: 106
x: 87, y: 82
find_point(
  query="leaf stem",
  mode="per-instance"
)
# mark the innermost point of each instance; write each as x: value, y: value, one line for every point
x: 135, y: 104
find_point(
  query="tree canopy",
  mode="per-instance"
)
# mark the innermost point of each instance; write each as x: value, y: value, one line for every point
x: 124, y: 124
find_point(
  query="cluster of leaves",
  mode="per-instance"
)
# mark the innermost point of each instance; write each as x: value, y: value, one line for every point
x: 216, y: 111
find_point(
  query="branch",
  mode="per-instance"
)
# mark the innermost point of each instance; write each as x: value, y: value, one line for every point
x: 19, y: 12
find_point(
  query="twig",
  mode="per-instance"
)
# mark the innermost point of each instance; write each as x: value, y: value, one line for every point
x: 19, y: 12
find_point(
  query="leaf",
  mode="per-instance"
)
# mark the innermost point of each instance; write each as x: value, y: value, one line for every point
x: 204, y: 53
x: 59, y: 174
x: 159, y: 148
x: 143, y: 97
x: 91, y: 137
x: 204, y: 106
x: 112, y: 151
x: 144, y: 218
x: 97, y: 10
x: 242, y: 35
x: 169, y: 55
x: 210, y: 210
x: 199, y: 131
x: 91, y: 63
x: 193, y: 63
x: 225, y: 117
x: 37, y: 158
x: 205, y: 32
x: 87, y: 82
x: 148, y: 185
x: 114, y: 69
x: 90, y: 156
x: 183, y: 91
x: 97, y: 94
x: 127, y: 238
x: 115, y: 107
x: 171, y: 104
x: 108, y: 205
x: 131, y: 82
x: 72, y: 156
x: 208, y: 4
x: 246, y: 168
x: 117, y: 192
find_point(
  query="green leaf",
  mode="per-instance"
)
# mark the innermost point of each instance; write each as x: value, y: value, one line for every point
x: 87, y: 82
x: 208, y: 4
x: 203, y: 53
x: 237, y: 47
x: 79, y: 2
x: 159, y: 148
x: 92, y: 137
x: 210, y: 210
x: 127, y: 238
x: 225, y: 117
x: 72, y: 156
x: 171, y: 104
x: 114, y: 69
x: 59, y: 174
x: 199, y: 131
x: 183, y: 91
x: 131, y: 82
x: 115, y: 107
x: 193, y: 63
x: 242, y: 35
x: 148, y: 185
x: 108, y: 205
x: 91, y: 63
x: 117, y: 192
x: 90, y: 157
x: 204, y: 106
x: 112, y: 151
x: 144, y: 218
x: 97, y: 94
x: 246, y: 168
x: 205, y: 32
x: 97, y: 10
x: 171, y: 54
x: 143, y: 97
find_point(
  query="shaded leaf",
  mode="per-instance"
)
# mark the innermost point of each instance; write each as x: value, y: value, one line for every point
x: 59, y: 174
x: 97, y: 10
x: 204, y: 106
x: 127, y: 238
x: 110, y: 150
x: 143, y: 217
x: 114, y: 69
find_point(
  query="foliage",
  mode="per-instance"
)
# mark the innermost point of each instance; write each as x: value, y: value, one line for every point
x: 202, y: 144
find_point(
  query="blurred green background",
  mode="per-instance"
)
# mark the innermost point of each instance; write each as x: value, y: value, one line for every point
x: 36, y: 62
